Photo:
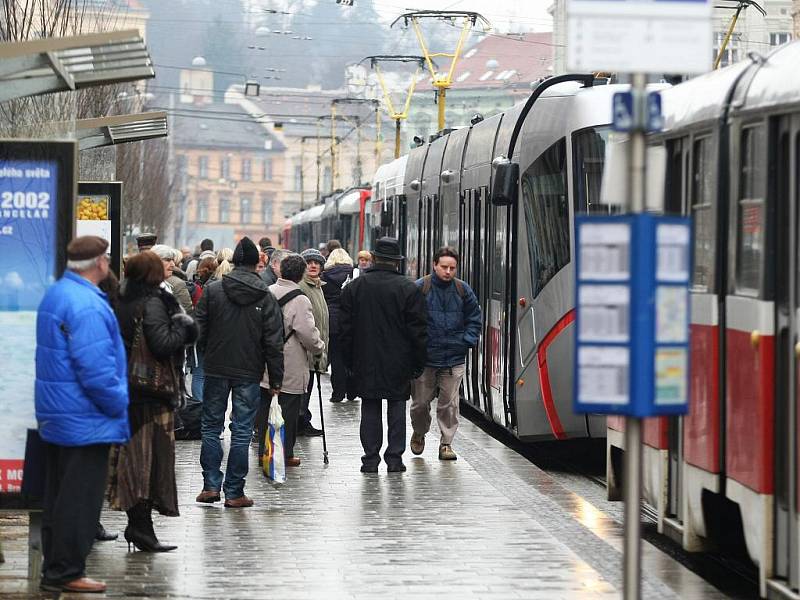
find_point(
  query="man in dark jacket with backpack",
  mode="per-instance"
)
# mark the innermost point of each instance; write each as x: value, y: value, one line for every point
x: 383, y: 335
x: 454, y: 326
x: 241, y: 329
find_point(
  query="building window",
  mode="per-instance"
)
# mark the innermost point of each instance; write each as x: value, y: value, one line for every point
x: 779, y: 38
x: 245, y: 208
x: 246, y: 169
x: 201, y: 215
x: 266, y: 166
x: 702, y: 198
x: 224, y: 209
x: 732, y: 50
x: 267, y: 202
x: 298, y: 178
x: 225, y: 167
x: 202, y: 167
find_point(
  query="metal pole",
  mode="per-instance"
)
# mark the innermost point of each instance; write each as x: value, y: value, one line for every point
x: 302, y: 167
x: 377, y: 136
x: 333, y: 146
x: 442, y: 95
x: 728, y: 36
x: 632, y: 479
x: 319, y: 161
x: 358, y: 152
x: 397, y: 138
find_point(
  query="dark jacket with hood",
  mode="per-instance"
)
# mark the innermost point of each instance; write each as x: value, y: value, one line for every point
x: 165, y: 336
x: 454, y: 322
x: 241, y: 328
x: 383, y: 332
x: 334, y: 277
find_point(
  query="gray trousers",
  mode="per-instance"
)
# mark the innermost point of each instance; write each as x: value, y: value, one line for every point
x: 448, y: 383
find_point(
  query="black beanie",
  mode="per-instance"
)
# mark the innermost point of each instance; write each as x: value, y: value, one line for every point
x: 246, y: 253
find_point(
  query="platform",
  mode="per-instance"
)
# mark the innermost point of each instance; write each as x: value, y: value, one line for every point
x: 489, y: 525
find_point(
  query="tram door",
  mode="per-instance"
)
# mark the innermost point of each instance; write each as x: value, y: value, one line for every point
x: 784, y: 193
x: 497, y: 244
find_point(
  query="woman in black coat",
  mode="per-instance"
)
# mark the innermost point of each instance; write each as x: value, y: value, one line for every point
x: 338, y: 269
x: 143, y: 470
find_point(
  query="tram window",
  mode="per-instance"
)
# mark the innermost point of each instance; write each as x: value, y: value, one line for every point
x: 701, y: 199
x: 750, y: 213
x: 544, y: 193
x: 589, y: 154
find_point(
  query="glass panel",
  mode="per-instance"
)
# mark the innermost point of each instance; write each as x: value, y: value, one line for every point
x: 750, y: 222
x: 702, y: 190
x: 544, y: 193
x: 266, y: 208
x: 246, y: 169
x: 589, y: 152
x: 224, y: 210
x: 245, y: 206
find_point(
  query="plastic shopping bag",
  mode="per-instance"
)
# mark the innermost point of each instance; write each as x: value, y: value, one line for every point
x: 273, y: 463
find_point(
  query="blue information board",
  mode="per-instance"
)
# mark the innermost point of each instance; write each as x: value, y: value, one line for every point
x: 632, y: 315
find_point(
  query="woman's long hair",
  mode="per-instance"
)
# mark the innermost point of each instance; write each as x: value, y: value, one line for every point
x: 144, y: 273
x: 224, y: 260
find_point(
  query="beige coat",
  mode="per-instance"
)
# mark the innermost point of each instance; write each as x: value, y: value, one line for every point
x: 298, y: 318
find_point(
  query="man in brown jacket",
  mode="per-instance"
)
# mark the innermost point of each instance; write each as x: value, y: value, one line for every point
x: 301, y: 336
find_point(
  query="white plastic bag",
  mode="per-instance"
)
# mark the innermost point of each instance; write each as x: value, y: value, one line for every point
x: 273, y: 463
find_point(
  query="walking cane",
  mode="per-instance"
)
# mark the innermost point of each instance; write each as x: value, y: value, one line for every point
x: 322, y: 421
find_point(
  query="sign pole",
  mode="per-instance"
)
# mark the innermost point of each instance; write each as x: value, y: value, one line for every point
x: 632, y: 482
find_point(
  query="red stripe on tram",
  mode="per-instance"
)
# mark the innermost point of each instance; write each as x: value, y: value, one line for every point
x: 544, y: 376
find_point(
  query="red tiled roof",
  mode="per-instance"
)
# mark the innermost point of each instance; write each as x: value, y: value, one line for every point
x: 502, y: 60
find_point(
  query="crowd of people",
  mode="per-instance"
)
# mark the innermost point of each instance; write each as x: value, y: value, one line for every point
x: 247, y: 326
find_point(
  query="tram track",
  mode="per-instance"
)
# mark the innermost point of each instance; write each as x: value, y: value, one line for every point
x: 570, y: 462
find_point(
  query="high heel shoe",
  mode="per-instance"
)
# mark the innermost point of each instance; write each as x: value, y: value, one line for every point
x: 142, y: 540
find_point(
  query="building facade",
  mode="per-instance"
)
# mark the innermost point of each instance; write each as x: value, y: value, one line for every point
x: 229, y: 175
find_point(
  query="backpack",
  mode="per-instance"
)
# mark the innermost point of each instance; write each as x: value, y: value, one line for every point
x: 285, y: 299
x: 195, y: 291
x: 426, y: 286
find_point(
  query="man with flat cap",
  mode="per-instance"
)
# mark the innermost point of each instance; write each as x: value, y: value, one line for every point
x: 145, y: 241
x: 384, y: 332
x: 81, y: 393
x: 241, y: 330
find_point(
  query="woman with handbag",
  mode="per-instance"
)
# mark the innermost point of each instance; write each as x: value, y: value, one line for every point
x: 155, y: 331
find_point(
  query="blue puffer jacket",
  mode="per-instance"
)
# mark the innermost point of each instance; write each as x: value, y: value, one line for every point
x: 454, y: 323
x: 81, y: 367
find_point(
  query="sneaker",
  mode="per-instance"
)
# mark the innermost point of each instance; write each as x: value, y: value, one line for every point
x: 417, y: 443
x: 310, y: 431
x: 446, y: 452
x: 336, y: 400
x: 398, y: 468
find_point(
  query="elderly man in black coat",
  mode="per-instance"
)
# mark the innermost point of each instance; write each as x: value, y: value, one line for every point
x: 383, y: 332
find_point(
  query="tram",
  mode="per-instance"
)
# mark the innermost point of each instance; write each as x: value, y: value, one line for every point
x: 730, y: 153
x: 338, y: 216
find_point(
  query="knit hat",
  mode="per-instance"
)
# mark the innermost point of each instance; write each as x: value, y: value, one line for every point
x: 146, y: 240
x: 86, y: 247
x: 245, y: 253
x: 313, y: 254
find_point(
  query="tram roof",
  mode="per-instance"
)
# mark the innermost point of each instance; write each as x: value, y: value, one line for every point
x: 700, y: 99
x: 777, y: 80
x: 350, y: 202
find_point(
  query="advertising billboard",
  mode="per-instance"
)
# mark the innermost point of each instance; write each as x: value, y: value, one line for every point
x: 37, y: 182
x: 97, y: 212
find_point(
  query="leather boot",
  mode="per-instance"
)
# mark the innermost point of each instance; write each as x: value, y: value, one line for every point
x: 140, y: 533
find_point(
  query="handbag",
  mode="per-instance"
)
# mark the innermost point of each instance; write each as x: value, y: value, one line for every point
x: 146, y: 374
x: 273, y: 462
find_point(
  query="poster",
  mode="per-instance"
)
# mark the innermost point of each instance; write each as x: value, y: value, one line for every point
x: 28, y: 237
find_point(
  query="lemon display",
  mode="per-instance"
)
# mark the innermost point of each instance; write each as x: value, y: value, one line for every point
x: 93, y: 209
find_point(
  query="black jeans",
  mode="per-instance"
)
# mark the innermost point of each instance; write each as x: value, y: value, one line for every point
x: 290, y: 407
x: 73, y: 497
x: 372, y: 431
x: 338, y: 370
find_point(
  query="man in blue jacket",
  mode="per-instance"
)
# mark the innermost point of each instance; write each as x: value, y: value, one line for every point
x: 81, y: 408
x: 454, y: 326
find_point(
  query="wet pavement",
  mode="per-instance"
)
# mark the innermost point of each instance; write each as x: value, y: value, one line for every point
x: 489, y: 525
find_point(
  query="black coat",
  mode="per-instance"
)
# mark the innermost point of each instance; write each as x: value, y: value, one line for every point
x: 383, y: 333
x: 334, y: 278
x: 165, y: 338
x: 268, y: 276
x: 241, y: 328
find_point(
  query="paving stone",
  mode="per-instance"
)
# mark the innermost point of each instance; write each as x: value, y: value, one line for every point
x: 489, y: 525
